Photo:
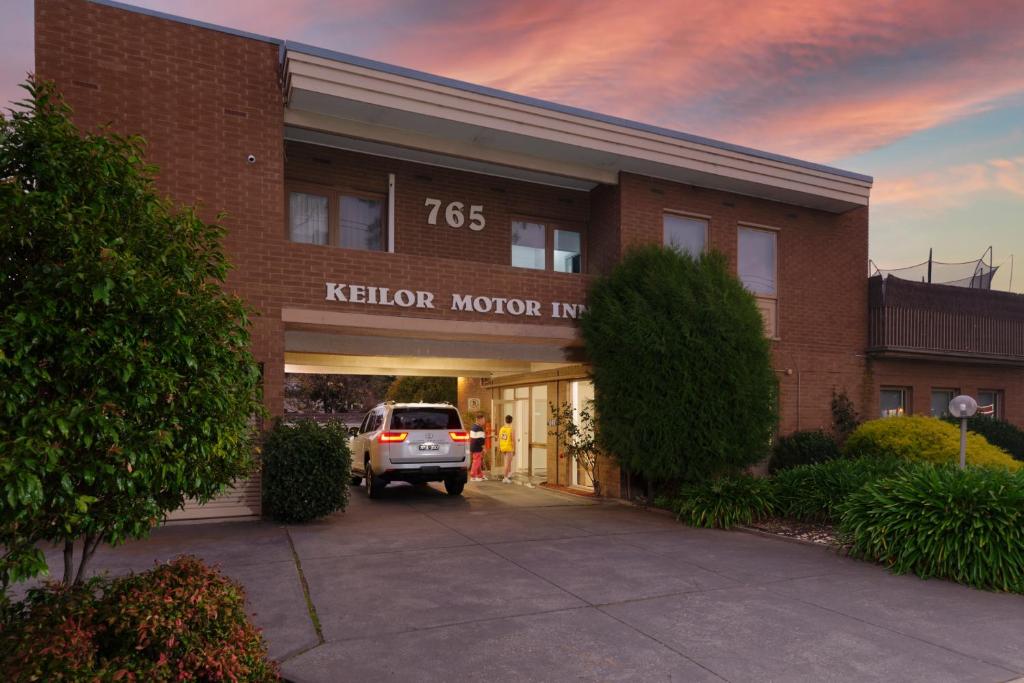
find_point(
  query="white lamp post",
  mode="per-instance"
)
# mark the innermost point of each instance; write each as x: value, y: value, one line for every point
x: 963, y: 407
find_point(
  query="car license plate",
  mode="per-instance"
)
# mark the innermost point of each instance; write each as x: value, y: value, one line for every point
x: 428, y: 447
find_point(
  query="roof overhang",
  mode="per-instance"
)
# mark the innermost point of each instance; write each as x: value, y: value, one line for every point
x: 349, y: 102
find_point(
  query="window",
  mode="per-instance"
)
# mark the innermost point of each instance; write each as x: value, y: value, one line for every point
x: 990, y: 402
x: 532, y: 243
x: 528, y: 245
x: 940, y: 401
x: 688, y: 235
x: 425, y: 418
x: 307, y: 218
x: 568, y: 256
x: 893, y: 401
x: 757, y: 261
x: 361, y: 223
x: 758, y: 266
x: 339, y: 219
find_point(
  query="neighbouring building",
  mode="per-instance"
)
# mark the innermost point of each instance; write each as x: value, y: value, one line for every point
x: 387, y: 221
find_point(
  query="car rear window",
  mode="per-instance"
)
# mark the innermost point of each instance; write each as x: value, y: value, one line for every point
x: 425, y: 418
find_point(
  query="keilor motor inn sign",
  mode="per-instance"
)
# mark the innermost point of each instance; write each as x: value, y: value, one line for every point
x: 370, y: 295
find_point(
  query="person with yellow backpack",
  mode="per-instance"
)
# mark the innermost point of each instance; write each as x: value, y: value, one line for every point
x: 507, y: 447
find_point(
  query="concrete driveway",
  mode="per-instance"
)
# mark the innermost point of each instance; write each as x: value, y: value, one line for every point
x: 510, y: 583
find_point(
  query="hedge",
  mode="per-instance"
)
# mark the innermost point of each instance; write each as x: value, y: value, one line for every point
x: 941, y: 521
x: 1000, y: 433
x: 813, y: 493
x: 725, y: 502
x: 684, y: 385
x: 306, y: 470
x: 803, y: 448
x: 923, y: 438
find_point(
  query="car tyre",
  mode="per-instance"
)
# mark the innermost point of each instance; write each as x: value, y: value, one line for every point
x: 454, y: 486
x: 356, y: 480
x: 374, y: 484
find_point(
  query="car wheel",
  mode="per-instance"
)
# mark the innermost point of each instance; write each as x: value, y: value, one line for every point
x: 454, y: 486
x: 374, y: 484
x: 356, y: 480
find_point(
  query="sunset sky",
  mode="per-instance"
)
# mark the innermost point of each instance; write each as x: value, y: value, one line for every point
x: 927, y: 96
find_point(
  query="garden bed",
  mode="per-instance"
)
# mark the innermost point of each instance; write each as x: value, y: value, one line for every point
x: 809, y: 532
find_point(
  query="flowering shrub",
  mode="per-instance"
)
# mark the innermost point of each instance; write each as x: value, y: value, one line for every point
x: 180, y: 621
x: 923, y: 438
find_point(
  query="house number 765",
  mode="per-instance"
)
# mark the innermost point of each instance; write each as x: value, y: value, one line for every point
x: 454, y: 214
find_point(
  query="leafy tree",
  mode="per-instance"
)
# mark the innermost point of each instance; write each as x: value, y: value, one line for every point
x: 126, y: 382
x: 425, y: 389
x: 336, y: 393
x: 684, y: 386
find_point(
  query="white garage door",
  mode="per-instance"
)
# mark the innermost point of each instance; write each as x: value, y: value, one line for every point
x: 241, y: 500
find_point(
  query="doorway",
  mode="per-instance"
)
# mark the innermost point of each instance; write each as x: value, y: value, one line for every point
x: 528, y: 406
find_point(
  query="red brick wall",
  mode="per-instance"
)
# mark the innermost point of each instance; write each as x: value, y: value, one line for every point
x: 206, y: 99
x: 921, y: 376
x: 605, y: 236
x: 822, y: 287
x: 203, y: 100
x: 503, y: 200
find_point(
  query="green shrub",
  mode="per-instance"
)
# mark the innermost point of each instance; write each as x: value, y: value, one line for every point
x: 306, y: 470
x: 803, y: 448
x: 812, y: 493
x: 999, y: 433
x: 725, y: 502
x: 686, y: 331
x: 178, y: 621
x: 965, y: 525
x: 923, y: 438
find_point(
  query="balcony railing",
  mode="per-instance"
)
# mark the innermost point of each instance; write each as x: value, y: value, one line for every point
x: 909, y: 318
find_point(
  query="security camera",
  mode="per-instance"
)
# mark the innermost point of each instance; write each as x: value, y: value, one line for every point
x: 251, y: 158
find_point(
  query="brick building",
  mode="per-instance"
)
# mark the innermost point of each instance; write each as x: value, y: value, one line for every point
x: 386, y: 221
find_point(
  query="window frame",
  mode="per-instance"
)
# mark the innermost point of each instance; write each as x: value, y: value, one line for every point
x: 693, y: 216
x: 334, y: 193
x: 550, y: 226
x: 907, y: 402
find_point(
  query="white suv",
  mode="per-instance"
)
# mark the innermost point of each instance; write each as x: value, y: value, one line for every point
x: 414, y: 442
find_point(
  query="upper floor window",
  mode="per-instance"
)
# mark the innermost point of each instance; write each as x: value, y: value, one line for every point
x: 568, y: 255
x: 340, y: 219
x: 361, y: 221
x: 532, y: 242
x: 757, y: 261
x: 758, y: 268
x: 990, y: 402
x: 307, y: 218
x: 685, y: 233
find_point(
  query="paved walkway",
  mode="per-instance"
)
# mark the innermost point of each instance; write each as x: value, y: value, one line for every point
x: 509, y: 583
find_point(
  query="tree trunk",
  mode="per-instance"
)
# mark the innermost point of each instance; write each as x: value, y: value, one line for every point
x: 69, y: 561
x: 88, y: 548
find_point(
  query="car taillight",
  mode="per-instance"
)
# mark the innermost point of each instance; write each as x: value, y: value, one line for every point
x: 392, y: 437
x: 459, y: 436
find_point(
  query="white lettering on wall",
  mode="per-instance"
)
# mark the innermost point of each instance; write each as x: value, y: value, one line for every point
x: 363, y: 294
x: 454, y: 214
x: 415, y: 298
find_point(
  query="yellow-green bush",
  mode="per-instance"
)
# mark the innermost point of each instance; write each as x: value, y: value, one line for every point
x: 926, y: 439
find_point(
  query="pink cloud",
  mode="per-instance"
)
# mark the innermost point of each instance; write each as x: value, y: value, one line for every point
x: 952, y: 186
x: 822, y: 80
